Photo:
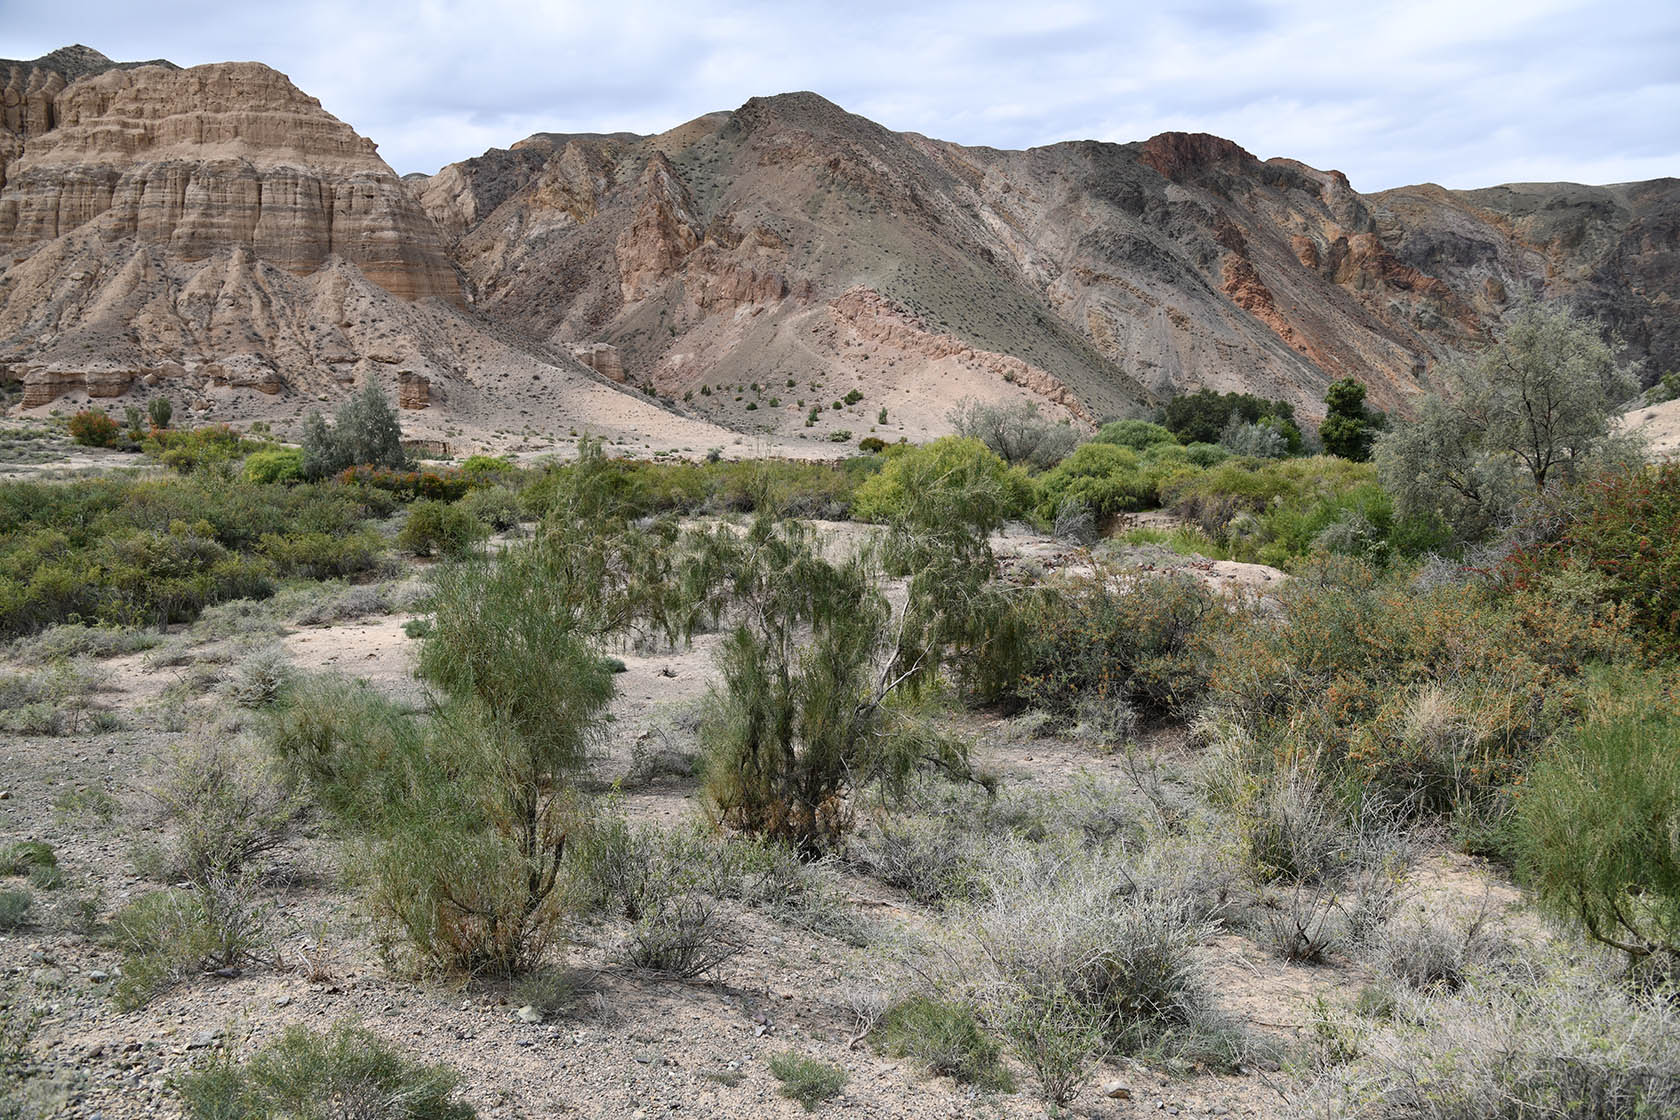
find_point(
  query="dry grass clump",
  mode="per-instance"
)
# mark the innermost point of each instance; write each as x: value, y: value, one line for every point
x: 1533, y: 1037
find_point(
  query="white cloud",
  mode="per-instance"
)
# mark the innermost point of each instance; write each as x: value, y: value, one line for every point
x: 1461, y: 92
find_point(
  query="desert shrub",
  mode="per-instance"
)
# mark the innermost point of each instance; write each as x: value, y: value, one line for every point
x: 1625, y: 528
x: 885, y: 495
x: 487, y: 466
x: 1077, y: 967
x: 806, y: 1080
x: 130, y: 551
x: 55, y: 700
x: 945, y: 1038
x: 322, y: 555
x: 24, y: 857
x: 14, y: 908
x: 1430, y: 950
x: 160, y: 411
x: 872, y: 445
x: 208, y: 447
x: 1596, y: 825
x: 1536, y: 1039
x: 1135, y: 434
x: 224, y: 809
x: 1203, y: 416
x: 70, y: 640
x: 365, y: 432
x: 260, y: 678
x: 552, y: 991
x: 1117, y: 637
x: 791, y: 731
x: 436, y: 528
x: 351, y: 749
x: 926, y: 857
x: 92, y: 428
x: 494, y: 507
x: 1103, y: 477
x: 168, y: 935
x: 1015, y: 432
x: 282, y: 464
x: 346, y: 1072
x: 1431, y: 701
x: 473, y: 869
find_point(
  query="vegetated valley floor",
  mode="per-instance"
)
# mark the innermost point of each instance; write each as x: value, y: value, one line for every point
x: 637, y: 1045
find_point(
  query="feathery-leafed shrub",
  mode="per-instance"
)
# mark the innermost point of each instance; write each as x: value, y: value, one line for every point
x: 1106, y: 478
x: 365, y: 432
x: 1597, y: 829
x: 801, y: 715
x: 305, y: 1075
x: 224, y: 811
x: 1625, y: 527
x: 475, y: 874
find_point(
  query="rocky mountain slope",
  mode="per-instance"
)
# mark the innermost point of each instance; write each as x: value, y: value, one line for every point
x: 786, y: 270
x: 790, y: 243
x: 214, y: 233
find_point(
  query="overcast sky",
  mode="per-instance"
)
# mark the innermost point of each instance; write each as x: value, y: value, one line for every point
x: 1459, y: 92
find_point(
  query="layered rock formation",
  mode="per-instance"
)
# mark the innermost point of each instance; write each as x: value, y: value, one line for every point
x: 231, y: 154
x: 785, y: 268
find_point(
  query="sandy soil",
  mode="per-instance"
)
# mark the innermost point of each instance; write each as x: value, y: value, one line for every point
x: 641, y: 1046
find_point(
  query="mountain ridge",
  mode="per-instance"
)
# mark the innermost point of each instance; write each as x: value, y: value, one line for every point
x: 752, y: 266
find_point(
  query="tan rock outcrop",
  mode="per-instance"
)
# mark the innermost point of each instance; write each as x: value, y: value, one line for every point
x: 414, y: 391
x: 228, y: 154
x: 603, y: 358
x: 662, y: 233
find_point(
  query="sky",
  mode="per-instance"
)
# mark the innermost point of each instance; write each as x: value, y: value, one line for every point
x: 1459, y: 92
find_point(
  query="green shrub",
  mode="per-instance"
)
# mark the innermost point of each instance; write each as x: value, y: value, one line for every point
x: 24, y: 856
x: 872, y: 445
x: 1203, y: 416
x: 435, y: 527
x: 1597, y: 820
x: 1435, y: 701
x: 1102, y: 477
x: 304, y: 1075
x: 1625, y: 528
x: 791, y: 731
x: 92, y: 428
x: 169, y: 935
x: 1117, y: 638
x: 224, y: 809
x: 283, y: 464
x: 487, y: 466
x: 948, y: 462
x: 944, y: 1037
x: 14, y: 909
x: 195, y: 449
x: 474, y: 854
x: 494, y: 507
x: 1138, y: 435
x: 160, y: 410
x: 806, y: 1080
x: 1349, y: 427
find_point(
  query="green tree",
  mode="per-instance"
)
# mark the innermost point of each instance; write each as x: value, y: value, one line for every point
x: 365, y: 432
x: 1535, y: 409
x: 1349, y: 427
